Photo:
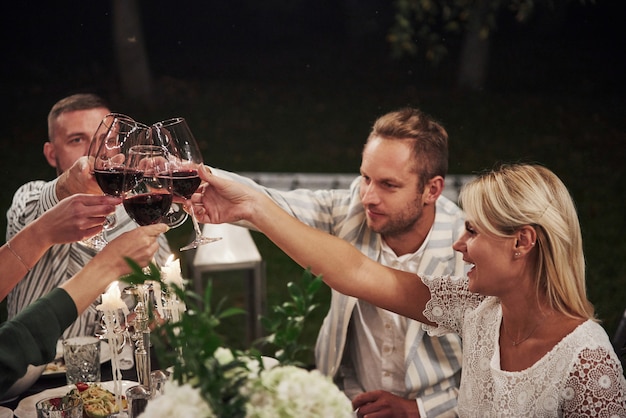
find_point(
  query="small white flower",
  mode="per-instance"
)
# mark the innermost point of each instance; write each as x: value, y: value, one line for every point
x: 223, y: 355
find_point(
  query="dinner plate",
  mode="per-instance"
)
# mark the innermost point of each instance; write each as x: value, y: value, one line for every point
x: 5, y: 412
x: 57, y: 366
x: 26, y: 407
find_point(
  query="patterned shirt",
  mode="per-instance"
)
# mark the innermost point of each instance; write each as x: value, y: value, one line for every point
x: 61, y: 261
x: 431, y: 366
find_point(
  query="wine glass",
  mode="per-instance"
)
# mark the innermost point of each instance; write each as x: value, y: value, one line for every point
x: 149, y: 199
x: 107, y: 163
x: 185, y: 160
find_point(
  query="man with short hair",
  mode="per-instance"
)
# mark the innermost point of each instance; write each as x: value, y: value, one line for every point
x: 72, y: 123
x: 395, y: 214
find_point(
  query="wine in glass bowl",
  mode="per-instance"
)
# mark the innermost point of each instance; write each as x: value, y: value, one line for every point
x: 185, y: 182
x: 114, y: 181
x: 150, y: 198
x: 148, y: 208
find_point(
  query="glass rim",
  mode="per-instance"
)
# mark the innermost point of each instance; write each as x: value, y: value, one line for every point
x: 123, y: 118
x: 169, y: 122
x: 75, y: 400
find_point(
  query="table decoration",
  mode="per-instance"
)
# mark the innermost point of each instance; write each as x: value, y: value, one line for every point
x: 172, y: 276
x: 115, y: 316
x: 208, y: 379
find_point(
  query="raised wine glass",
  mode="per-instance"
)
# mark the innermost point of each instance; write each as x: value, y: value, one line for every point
x: 107, y: 163
x: 149, y: 199
x: 185, y: 160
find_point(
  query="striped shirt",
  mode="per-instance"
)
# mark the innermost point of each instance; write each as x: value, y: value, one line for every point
x: 431, y: 365
x: 61, y: 261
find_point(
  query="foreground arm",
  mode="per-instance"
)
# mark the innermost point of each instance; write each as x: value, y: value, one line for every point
x: 342, y: 266
x: 73, y: 219
x: 107, y: 266
x: 31, y: 336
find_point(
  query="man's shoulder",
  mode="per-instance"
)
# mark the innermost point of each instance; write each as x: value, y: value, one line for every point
x: 34, y: 191
x: 31, y: 186
x: 449, y: 208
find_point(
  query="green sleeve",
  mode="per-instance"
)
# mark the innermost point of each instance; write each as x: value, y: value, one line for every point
x: 31, y: 336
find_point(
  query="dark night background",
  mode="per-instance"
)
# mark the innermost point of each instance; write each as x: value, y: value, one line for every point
x: 295, y: 85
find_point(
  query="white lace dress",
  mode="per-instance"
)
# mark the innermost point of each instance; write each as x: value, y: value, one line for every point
x: 580, y: 377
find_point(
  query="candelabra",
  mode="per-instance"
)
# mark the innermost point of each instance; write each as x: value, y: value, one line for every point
x: 141, y: 334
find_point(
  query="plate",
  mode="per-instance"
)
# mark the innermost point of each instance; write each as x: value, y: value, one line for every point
x: 57, y: 366
x: 26, y: 407
x: 5, y: 412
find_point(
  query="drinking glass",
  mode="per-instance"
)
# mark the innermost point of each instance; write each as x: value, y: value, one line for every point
x: 82, y: 359
x: 106, y: 157
x: 150, y: 197
x: 138, y: 397
x: 185, y: 159
x: 69, y: 406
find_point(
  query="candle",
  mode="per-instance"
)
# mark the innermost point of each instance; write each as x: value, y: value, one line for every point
x: 171, y: 272
x: 111, y: 303
x: 156, y: 288
x: 172, y: 276
x: 112, y: 299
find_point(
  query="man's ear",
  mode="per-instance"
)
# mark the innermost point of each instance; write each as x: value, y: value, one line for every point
x: 433, y: 189
x: 50, y: 153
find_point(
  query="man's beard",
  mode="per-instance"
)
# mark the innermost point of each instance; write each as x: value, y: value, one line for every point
x: 402, y: 223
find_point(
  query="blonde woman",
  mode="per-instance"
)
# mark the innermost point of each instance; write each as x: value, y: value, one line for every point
x: 531, y: 344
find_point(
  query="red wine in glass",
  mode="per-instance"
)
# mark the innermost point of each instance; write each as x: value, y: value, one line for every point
x: 149, y: 208
x: 185, y: 182
x: 115, y: 181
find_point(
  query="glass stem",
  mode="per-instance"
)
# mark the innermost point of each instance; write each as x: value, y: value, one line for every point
x: 196, y: 225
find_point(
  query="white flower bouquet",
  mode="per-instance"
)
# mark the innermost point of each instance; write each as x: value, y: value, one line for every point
x: 209, y: 380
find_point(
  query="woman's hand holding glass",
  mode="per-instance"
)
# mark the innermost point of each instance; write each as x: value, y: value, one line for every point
x: 185, y: 159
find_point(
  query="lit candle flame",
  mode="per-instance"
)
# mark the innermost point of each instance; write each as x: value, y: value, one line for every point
x: 171, y: 272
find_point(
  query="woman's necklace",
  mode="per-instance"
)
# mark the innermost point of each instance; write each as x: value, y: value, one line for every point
x: 516, y: 343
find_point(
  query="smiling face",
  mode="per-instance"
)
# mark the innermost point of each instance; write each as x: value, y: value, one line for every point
x: 71, y: 135
x: 390, y: 192
x: 494, y: 272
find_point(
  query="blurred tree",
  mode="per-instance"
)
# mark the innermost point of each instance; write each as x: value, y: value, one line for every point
x: 425, y: 22
x: 130, y: 51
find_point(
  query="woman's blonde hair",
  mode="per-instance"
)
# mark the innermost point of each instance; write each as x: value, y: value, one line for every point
x: 514, y: 195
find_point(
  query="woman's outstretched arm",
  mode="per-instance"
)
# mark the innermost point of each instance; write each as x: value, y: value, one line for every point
x: 341, y: 265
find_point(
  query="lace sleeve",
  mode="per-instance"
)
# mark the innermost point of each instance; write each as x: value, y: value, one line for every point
x: 596, y: 386
x: 450, y: 301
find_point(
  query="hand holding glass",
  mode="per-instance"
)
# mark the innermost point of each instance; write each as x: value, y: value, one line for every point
x: 106, y: 157
x: 185, y: 159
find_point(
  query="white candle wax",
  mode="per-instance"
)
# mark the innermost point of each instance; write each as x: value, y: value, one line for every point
x: 112, y: 299
x: 156, y: 287
x: 171, y: 272
x: 172, y: 276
